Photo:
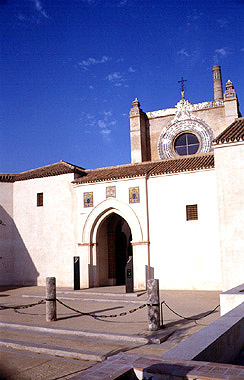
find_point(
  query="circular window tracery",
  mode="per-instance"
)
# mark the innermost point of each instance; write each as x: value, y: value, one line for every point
x: 186, y: 144
x: 195, y: 127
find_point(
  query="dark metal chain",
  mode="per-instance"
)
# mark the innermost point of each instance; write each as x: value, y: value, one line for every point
x: 2, y: 307
x: 91, y: 314
x: 189, y: 318
x: 104, y: 315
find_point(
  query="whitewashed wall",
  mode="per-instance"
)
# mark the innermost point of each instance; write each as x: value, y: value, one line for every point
x: 6, y: 232
x: 44, y: 236
x: 185, y: 254
x: 229, y: 162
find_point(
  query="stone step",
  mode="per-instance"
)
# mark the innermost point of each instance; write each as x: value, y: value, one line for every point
x: 52, y: 350
x: 106, y: 295
x: 149, y: 337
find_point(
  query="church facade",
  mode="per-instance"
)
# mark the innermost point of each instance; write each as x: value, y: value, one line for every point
x: 177, y: 209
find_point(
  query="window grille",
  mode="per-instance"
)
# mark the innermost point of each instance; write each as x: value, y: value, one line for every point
x: 191, y: 212
x: 39, y: 199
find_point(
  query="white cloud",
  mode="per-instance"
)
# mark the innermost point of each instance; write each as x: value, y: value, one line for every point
x: 40, y: 9
x: 91, y: 87
x: 183, y: 53
x: 105, y: 131
x: 242, y: 49
x: 131, y: 70
x: 116, y: 79
x: 223, y: 52
x: 33, y: 17
x: 103, y: 124
x: 107, y: 113
x: 114, y: 76
x: 92, y: 61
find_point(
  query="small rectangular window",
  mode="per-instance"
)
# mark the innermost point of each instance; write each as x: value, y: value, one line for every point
x: 191, y: 212
x: 39, y: 199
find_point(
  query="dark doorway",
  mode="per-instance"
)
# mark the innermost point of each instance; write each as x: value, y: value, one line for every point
x: 113, y: 250
x: 76, y: 273
x: 122, y: 252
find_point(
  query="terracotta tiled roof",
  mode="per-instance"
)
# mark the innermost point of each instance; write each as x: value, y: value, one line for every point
x: 7, y: 177
x: 58, y: 168
x: 233, y: 133
x: 174, y: 165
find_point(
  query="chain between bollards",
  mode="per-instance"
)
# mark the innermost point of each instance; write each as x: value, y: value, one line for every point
x: 153, y: 303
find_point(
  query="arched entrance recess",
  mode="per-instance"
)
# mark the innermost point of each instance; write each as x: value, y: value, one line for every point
x: 110, y: 224
x: 113, y: 248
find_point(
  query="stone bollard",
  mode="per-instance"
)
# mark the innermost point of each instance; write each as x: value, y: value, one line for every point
x: 51, y: 299
x: 153, y: 299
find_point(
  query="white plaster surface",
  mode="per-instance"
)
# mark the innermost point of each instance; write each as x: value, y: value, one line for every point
x: 6, y: 231
x: 185, y: 254
x: 44, y: 236
x: 231, y: 299
x: 229, y: 163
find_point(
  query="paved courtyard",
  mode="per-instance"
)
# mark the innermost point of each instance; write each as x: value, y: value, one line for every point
x: 75, y: 342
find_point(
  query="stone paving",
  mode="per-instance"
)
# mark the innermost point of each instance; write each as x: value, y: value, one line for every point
x: 27, y: 365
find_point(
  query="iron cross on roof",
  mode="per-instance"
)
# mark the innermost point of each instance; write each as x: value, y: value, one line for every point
x: 182, y: 87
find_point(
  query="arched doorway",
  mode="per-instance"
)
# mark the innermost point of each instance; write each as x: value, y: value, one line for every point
x: 91, y: 244
x: 113, y: 242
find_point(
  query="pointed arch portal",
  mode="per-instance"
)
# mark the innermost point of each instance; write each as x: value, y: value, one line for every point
x: 112, y: 232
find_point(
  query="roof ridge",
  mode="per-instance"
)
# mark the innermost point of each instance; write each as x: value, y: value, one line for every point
x: 174, y: 165
x: 122, y: 165
x: 50, y: 165
x: 41, y: 167
x: 72, y: 165
x: 149, y: 162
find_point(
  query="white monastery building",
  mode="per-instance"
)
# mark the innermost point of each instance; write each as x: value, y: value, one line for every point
x: 177, y: 209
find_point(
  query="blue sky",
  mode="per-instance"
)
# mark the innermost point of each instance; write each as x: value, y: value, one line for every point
x: 70, y: 70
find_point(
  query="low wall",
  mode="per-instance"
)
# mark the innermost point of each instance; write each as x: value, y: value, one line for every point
x: 219, y: 342
x: 231, y: 298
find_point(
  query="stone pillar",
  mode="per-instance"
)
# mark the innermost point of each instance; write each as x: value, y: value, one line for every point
x: 51, y: 314
x: 217, y: 83
x: 230, y: 103
x: 138, y: 134
x: 153, y: 299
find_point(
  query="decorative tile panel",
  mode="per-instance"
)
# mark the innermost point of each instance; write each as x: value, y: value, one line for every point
x: 134, y: 195
x: 111, y: 191
x: 88, y: 199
